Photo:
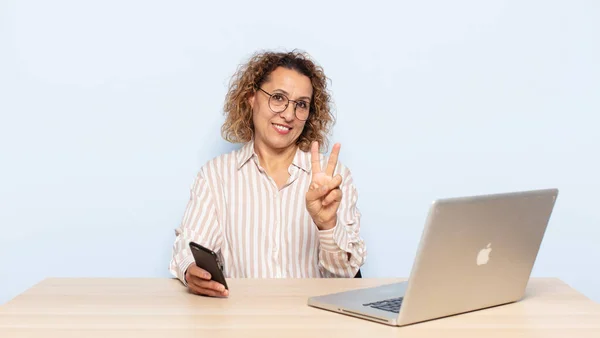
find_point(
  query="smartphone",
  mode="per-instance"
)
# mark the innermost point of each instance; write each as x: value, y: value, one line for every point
x: 208, y: 260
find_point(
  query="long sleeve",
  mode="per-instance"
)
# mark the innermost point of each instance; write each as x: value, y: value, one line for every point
x: 342, y: 251
x: 200, y: 224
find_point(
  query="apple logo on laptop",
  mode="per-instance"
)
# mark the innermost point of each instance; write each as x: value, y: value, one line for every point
x: 484, y: 255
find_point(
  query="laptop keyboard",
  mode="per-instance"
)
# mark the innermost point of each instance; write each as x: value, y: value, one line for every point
x: 391, y: 305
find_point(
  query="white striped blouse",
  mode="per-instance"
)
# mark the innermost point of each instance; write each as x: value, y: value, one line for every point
x: 260, y: 231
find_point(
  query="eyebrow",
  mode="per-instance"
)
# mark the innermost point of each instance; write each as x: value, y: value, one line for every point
x: 306, y: 98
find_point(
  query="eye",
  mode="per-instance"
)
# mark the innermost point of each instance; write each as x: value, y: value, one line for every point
x: 278, y: 97
x: 303, y: 104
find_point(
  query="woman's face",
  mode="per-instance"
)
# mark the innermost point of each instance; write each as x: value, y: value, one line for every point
x: 280, y: 130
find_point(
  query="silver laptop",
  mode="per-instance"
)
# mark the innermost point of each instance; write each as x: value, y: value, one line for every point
x: 475, y: 252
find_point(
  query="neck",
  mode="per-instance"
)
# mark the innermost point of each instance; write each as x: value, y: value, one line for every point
x: 273, y: 160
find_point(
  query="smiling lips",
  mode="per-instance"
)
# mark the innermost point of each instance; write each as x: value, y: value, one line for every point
x: 281, y: 129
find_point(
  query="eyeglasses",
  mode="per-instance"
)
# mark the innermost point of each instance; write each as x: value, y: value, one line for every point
x: 279, y: 103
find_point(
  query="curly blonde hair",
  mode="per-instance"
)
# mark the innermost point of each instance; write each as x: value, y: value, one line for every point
x: 238, y: 126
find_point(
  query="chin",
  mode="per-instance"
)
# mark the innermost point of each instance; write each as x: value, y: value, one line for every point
x: 279, y: 142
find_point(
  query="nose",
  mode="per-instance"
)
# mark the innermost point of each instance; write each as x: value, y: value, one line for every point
x: 289, y: 114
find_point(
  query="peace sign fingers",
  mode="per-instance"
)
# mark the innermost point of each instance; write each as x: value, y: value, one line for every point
x: 324, y: 195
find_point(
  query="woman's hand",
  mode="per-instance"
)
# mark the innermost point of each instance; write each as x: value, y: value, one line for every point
x: 199, y: 282
x: 324, y: 195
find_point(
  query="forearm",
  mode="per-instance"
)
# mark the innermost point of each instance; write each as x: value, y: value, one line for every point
x: 342, y: 252
x: 182, y: 257
x: 199, y: 224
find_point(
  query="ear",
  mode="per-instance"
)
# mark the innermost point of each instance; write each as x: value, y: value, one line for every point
x: 251, y: 97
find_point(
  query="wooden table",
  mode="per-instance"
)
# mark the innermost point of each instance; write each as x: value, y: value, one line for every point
x: 107, y: 308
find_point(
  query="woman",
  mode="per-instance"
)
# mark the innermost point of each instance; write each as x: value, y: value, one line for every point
x: 274, y: 208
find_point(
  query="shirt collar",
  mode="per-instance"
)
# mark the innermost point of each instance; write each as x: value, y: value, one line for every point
x: 245, y: 153
x: 301, y: 158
